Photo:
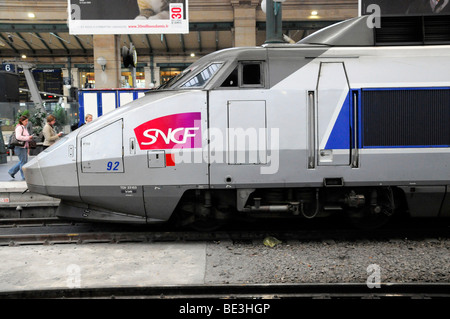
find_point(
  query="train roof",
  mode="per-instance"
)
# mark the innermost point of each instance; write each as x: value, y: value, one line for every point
x: 393, y: 30
x: 356, y: 32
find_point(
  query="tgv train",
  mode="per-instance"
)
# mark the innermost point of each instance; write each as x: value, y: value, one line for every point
x: 342, y: 121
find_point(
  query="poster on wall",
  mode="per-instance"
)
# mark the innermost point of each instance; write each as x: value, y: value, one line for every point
x: 405, y: 7
x: 128, y: 16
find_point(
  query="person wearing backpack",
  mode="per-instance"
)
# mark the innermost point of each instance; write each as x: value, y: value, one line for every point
x: 22, y: 134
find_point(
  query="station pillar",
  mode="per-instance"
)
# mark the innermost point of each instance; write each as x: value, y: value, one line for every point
x: 244, y: 22
x: 107, y: 47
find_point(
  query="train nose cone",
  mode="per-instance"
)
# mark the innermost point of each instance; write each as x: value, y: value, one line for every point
x: 33, y: 177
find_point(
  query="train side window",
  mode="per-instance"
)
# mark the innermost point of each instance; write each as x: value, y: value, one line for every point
x: 232, y: 79
x: 251, y: 74
x: 246, y: 74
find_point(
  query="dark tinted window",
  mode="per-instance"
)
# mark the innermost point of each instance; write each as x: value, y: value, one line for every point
x: 251, y: 73
x: 232, y: 79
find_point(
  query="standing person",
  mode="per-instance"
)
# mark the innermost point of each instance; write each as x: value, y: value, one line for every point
x: 21, y: 151
x: 50, y: 136
x: 88, y: 118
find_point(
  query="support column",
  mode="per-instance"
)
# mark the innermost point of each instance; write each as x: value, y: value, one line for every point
x: 244, y: 22
x: 66, y: 74
x: 107, y: 46
x: 75, y: 78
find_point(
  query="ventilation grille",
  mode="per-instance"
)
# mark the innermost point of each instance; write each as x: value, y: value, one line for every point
x: 408, y: 30
x: 406, y: 118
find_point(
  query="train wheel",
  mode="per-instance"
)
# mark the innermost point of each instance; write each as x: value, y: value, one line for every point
x: 206, y: 223
x: 376, y: 212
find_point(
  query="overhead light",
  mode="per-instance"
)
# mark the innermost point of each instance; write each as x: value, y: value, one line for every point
x: 192, y: 54
x: 24, y: 56
x: 314, y: 13
x: 31, y: 15
x: 102, y: 61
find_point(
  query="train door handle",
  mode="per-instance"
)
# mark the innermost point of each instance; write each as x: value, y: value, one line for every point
x: 132, y: 145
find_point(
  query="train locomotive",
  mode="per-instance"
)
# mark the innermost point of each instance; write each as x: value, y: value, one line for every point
x: 346, y: 120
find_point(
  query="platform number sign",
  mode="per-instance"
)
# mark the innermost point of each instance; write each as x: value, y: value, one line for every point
x: 176, y: 13
x: 9, y: 67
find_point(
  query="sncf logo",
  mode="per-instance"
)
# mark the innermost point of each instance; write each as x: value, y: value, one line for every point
x: 181, y: 130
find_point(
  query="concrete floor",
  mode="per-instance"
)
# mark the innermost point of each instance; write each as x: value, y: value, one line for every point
x: 101, y: 265
x: 95, y: 265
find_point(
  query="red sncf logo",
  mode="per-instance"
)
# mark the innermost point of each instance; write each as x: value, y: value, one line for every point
x: 182, y: 130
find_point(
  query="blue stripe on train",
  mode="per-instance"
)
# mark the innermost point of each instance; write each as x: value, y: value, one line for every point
x: 340, y: 135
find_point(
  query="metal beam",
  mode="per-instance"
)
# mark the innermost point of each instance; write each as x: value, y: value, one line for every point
x: 183, y: 46
x: 80, y: 44
x: 26, y: 43
x: 63, y: 28
x: 61, y: 40
x: 7, y: 42
x: 164, y: 38
x: 199, y: 38
x: 298, y: 25
x: 28, y: 27
x: 149, y: 44
x: 37, y: 35
x: 217, y: 40
x: 193, y: 26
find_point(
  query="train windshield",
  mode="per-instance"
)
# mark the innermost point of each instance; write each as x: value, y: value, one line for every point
x: 202, y: 77
x: 172, y: 81
x: 185, y: 80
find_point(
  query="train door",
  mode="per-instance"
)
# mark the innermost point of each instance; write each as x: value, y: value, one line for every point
x: 238, y: 126
x: 335, y: 117
x: 102, y: 171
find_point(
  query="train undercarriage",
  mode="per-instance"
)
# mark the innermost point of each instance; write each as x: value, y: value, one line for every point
x: 366, y: 207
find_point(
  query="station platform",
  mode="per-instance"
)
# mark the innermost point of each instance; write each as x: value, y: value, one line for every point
x: 101, y: 265
x: 15, y: 199
x: 4, y: 176
x: 30, y: 267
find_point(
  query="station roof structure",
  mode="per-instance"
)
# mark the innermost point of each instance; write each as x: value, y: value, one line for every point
x: 39, y: 29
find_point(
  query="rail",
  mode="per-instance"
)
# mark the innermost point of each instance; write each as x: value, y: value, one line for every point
x: 250, y: 291
x: 46, y: 231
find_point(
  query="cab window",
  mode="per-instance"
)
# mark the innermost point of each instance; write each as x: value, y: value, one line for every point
x: 246, y: 74
x: 251, y: 74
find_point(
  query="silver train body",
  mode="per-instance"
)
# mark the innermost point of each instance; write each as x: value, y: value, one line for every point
x: 330, y: 124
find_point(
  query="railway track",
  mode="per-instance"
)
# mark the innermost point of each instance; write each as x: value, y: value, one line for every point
x: 282, y: 298
x: 49, y: 231
x: 257, y: 292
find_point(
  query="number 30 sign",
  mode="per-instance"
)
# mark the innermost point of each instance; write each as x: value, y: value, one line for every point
x: 176, y: 13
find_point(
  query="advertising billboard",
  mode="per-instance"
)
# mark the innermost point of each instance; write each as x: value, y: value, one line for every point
x: 405, y: 7
x: 128, y: 16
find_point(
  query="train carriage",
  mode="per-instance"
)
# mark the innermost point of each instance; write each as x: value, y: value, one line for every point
x: 347, y: 119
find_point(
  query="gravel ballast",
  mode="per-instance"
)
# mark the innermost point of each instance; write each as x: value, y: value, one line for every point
x: 329, y: 261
